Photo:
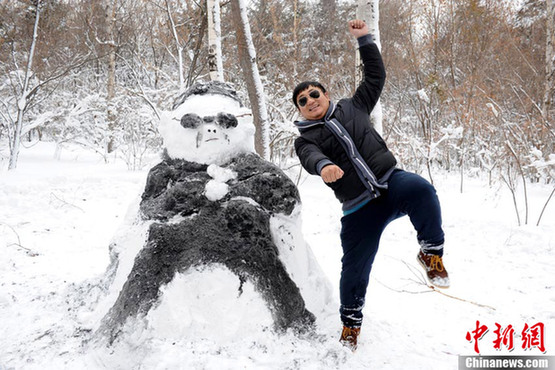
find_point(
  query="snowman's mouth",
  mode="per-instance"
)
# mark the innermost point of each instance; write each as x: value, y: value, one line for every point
x: 214, y: 138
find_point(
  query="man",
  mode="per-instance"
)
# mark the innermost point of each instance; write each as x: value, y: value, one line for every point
x: 338, y: 143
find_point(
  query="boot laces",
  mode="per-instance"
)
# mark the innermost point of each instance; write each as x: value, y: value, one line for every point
x: 349, y: 333
x: 436, y: 263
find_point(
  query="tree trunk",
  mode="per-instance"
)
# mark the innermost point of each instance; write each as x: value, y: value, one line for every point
x: 247, y: 61
x: 549, y: 62
x: 198, y: 47
x: 111, y: 83
x: 295, y: 31
x: 22, y: 101
x: 215, y: 63
x: 178, y: 47
x: 369, y: 12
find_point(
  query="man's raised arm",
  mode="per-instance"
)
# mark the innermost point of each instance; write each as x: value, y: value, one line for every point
x: 368, y: 92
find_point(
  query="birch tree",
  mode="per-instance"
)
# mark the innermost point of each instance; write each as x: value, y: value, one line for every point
x: 178, y: 47
x: 25, y: 93
x: 368, y: 11
x: 214, y: 41
x: 247, y: 61
x: 107, y: 41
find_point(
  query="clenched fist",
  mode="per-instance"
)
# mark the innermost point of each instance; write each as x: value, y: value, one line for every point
x: 331, y: 173
x: 358, y: 28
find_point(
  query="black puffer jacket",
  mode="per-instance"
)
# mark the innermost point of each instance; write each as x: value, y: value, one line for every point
x: 318, y: 145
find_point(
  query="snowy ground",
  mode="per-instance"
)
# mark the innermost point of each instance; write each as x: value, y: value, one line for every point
x: 57, y: 219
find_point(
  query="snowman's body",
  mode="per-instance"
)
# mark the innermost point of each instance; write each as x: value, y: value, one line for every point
x: 212, y: 201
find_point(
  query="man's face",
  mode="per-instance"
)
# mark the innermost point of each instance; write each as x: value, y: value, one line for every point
x: 316, y: 103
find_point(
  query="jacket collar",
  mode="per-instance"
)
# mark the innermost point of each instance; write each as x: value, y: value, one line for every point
x: 306, y: 124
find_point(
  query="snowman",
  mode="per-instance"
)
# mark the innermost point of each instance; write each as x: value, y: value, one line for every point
x: 212, y: 204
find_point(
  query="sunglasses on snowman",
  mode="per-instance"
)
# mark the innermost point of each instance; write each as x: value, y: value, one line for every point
x: 314, y: 94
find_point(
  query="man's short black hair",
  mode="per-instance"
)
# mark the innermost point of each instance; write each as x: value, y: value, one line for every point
x: 303, y: 86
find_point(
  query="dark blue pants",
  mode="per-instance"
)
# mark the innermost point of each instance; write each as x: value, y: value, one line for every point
x: 407, y: 194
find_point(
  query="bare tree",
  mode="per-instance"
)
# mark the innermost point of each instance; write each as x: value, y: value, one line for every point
x: 448, y: 62
x: 25, y: 93
x: 247, y: 60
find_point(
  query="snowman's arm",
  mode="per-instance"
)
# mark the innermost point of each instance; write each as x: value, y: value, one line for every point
x: 266, y: 184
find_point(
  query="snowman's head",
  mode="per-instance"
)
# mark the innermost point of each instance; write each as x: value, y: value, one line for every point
x: 207, y: 125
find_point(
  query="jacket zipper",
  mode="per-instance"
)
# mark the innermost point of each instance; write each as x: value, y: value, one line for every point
x: 355, y: 157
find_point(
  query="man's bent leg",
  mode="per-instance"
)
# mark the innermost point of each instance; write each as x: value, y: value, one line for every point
x: 415, y: 196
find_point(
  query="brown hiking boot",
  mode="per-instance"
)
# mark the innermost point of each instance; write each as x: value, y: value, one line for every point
x: 435, y: 271
x: 349, y: 337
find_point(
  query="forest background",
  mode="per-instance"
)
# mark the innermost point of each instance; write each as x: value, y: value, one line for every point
x: 470, y: 83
